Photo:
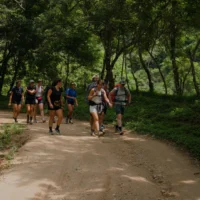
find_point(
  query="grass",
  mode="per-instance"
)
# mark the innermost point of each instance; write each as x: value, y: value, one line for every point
x: 11, y: 138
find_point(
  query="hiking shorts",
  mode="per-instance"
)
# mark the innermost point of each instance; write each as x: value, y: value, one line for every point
x: 119, y: 109
x: 96, y: 109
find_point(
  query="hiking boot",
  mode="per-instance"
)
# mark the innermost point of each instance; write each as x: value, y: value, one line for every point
x: 70, y: 121
x: 35, y: 121
x: 57, y: 131
x: 30, y: 122
x: 50, y: 132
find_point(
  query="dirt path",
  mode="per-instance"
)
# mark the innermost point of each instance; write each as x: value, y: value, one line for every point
x: 75, y: 166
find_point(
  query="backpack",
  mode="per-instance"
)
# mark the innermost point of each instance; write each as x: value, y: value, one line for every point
x: 89, y: 88
x: 116, y: 92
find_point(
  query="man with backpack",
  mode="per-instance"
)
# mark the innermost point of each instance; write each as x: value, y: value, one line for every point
x: 121, y: 97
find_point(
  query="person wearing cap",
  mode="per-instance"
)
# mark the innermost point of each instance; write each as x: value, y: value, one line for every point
x: 122, y: 98
x: 16, y: 99
x: 39, y: 101
x: 71, y: 96
x: 30, y: 101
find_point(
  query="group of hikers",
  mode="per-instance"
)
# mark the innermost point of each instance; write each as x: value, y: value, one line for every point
x: 98, y: 98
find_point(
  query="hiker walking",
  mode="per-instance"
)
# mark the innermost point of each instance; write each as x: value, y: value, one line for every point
x: 71, y: 101
x: 122, y: 98
x: 55, y: 103
x: 30, y: 101
x: 16, y: 99
x: 95, y: 98
x: 39, y: 101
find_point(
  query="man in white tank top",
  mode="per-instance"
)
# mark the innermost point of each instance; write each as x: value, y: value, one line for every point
x: 39, y: 101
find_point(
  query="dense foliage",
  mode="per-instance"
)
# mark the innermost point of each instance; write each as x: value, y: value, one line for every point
x: 153, y: 44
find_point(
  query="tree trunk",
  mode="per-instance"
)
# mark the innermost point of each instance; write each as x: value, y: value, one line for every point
x: 6, y: 58
x: 103, y: 68
x: 146, y: 69
x: 160, y: 71
x: 136, y: 81
x: 67, y: 72
x: 173, y: 33
x: 17, y: 64
x: 194, y: 75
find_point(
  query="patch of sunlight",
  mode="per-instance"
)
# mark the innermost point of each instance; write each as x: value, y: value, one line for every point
x: 96, y: 190
x: 137, y: 178
x: 189, y: 182
x: 115, y: 169
x: 133, y: 139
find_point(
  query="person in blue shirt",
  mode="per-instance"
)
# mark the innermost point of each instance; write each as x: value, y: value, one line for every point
x: 71, y: 101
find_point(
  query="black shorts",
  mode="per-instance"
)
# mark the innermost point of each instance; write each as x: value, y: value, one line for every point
x: 30, y: 101
x: 54, y: 107
x: 70, y: 102
x: 18, y: 102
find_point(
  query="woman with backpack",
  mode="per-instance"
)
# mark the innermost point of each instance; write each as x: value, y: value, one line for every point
x: 39, y: 101
x: 95, y: 98
x: 30, y: 101
x: 16, y: 99
x: 55, y: 104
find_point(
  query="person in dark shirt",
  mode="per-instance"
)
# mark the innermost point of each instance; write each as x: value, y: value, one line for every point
x: 30, y: 101
x: 71, y: 100
x: 55, y: 104
x: 16, y: 99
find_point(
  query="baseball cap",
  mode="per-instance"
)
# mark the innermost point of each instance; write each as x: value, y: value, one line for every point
x: 122, y: 82
x: 31, y: 81
x: 95, y: 76
x: 39, y: 80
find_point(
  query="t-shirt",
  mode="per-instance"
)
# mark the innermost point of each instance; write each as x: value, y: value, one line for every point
x: 72, y: 93
x: 17, y: 93
x: 121, y: 95
x: 38, y: 91
x: 55, y: 96
x: 28, y: 95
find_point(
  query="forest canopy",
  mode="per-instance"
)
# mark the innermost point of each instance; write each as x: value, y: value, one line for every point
x: 154, y: 44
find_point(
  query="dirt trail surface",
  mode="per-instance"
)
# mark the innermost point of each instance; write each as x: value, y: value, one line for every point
x: 76, y: 166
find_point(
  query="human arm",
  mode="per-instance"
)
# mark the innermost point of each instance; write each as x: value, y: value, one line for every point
x: 48, y: 98
x: 106, y: 98
x: 91, y: 94
x: 111, y: 95
x: 10, y: 98
x: 31, y: 91
x: 129, y: 97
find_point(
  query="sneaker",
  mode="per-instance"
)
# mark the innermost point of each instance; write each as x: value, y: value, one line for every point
x: 101, y: 133
x: 101, y: 129
x: 50, y: 132
x: 121, y: 133
x: 93, y: 133
x: 30, y: 122
x: 70, y: 121
x: 57, y: 131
